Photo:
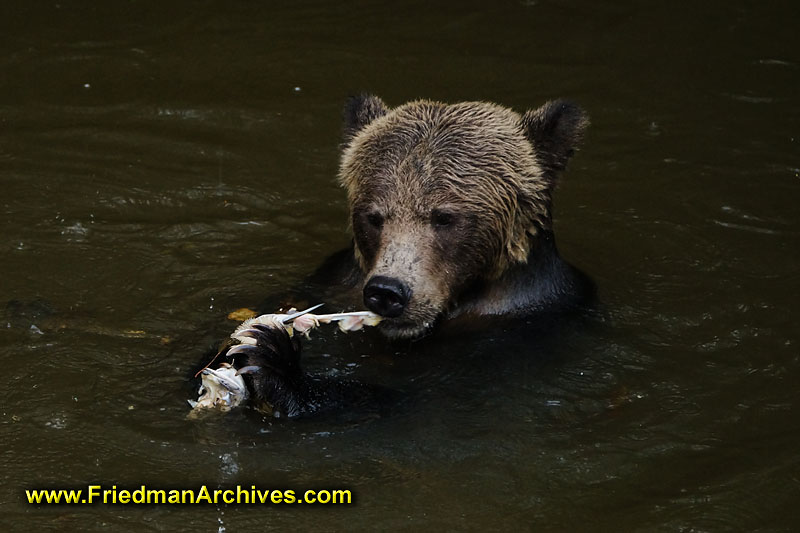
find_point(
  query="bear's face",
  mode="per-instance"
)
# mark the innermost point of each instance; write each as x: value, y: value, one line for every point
x: 443, y: 197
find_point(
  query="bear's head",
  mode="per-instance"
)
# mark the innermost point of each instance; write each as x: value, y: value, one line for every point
x: 446, y: 196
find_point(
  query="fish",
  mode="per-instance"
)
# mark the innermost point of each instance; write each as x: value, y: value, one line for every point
x: 304, y: 321
x: 224, y: 388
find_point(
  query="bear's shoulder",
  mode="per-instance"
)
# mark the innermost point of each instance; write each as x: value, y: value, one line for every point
x: 546, y: 283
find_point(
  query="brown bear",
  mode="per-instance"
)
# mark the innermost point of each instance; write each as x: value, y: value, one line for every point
x: 451, y: 209
x: 451, y: 214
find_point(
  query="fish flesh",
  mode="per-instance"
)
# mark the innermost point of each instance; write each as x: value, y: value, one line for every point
x: 224, y: 388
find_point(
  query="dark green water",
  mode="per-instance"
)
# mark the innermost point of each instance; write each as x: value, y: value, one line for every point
x: 162, y: 164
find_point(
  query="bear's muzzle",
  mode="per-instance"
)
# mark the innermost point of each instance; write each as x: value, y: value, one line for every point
x: 386, y: 296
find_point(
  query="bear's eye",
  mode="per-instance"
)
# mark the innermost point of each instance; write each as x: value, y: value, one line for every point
x: 442, y: 219
x: 375, y: 220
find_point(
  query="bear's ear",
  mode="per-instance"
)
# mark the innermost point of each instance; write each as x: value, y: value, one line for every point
x: 555, y: 129
x: 359, y: 111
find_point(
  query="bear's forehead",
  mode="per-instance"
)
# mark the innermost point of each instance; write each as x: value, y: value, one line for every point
x: 413, y: 192
x: 449, y: 126
x: 423, y: 173
x: 459, y: 138
x: 433, y: 153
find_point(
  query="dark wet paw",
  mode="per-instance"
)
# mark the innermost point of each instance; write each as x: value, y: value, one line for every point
x: 269, y: 361
x: 266, y: 347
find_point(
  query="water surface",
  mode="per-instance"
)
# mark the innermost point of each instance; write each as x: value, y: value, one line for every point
x: 162, y: 164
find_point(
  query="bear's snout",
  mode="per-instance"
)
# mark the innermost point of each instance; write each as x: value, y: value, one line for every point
x: 386, y: 296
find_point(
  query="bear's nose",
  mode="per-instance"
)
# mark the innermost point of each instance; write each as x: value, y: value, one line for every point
x: 386, y: 296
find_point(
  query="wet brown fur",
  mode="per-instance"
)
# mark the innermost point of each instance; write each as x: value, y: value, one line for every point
x: 449, y: 196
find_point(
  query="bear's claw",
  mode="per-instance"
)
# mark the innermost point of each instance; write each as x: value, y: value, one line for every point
x: 241, y: 348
